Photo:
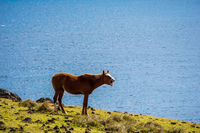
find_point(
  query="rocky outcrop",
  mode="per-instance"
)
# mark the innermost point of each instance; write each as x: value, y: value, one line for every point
x: 9, y: 95
x: 43, y: 99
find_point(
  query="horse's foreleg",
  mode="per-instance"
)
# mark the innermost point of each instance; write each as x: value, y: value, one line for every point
x: 60, y: 101
x: 85, y: 104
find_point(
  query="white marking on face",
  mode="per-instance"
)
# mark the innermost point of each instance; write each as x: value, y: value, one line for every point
x: 110, y: 76
x: 112, y: 79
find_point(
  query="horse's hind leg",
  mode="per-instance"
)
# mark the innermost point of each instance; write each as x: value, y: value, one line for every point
x: 60, y: 101
x: 54, y: 101
x: 57, y: 87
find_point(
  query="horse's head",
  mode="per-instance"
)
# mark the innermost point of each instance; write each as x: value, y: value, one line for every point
x: 108, y: 79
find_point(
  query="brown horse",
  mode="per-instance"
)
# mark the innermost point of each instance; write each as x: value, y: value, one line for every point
x: 83, y: 84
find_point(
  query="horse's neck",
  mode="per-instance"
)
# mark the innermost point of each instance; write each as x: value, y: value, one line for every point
x: 98, y: 81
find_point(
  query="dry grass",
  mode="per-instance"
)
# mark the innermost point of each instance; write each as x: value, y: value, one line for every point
x: 41, y: 118
x: 84, y: 121
x: 122, y: 123
x: 28, y: 103
x: 45, y: 107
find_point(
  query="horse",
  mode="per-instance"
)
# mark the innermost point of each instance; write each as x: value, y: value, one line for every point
x: 83, y: 84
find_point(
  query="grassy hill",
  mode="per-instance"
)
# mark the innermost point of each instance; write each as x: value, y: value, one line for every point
x: 29, y: 116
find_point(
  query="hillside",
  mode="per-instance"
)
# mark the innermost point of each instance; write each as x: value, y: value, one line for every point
x: 29, y: 116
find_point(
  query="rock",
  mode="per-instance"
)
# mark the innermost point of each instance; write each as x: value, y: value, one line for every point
x: 193, y: 125
x: 68, y: 121
x: 12, y: 129
x: 30, y: 112
x: 43, y: 99
x: 5, y: 103
x: 27, y: 119
x: 2, y: 127
x: 38, y: 121
x: 173, y: 123
x: 9, y: 95
x: 52, y: 120
x: 56, y: 127
x: 17, y: 118
x: 62, y: 126
x: 58, y: 108
x: 21, y: 128
x: 92, y: 109
x: 2, y: 123
x: 43, y: 125
x: 65, y: 127
x: 109, y: 112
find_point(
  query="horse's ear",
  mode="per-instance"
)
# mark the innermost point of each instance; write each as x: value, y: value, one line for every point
x: 108, y: 71
x: 103, y: 72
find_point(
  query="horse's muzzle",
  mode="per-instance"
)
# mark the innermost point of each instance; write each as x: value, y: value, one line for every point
x: 112, y: 81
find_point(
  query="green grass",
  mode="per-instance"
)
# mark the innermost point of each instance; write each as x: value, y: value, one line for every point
x: 29, y: 116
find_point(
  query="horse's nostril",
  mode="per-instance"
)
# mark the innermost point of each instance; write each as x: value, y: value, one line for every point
x: 112, y: 81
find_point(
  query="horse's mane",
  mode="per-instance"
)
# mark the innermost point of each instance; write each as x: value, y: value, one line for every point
x: 90, y: 76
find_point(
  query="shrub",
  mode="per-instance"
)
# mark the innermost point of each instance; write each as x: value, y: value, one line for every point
x: 45, y: 107
x: 116, y: 118
x: 28, y: 103
x: 120, y: 123
x: 113, y: 127
x: 128, y: 117
x: 84, y: 121
x: 153, y: 127
x: 176, y: 130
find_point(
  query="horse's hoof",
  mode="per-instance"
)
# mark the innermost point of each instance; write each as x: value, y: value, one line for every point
x: 65, y: 112
x: 56, y: 112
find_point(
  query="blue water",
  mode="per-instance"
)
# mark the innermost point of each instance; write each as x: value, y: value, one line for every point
x: 152, y: 48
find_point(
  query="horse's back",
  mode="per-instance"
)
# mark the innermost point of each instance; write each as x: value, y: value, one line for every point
x: 60, y: 78
x: 68, y: 82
